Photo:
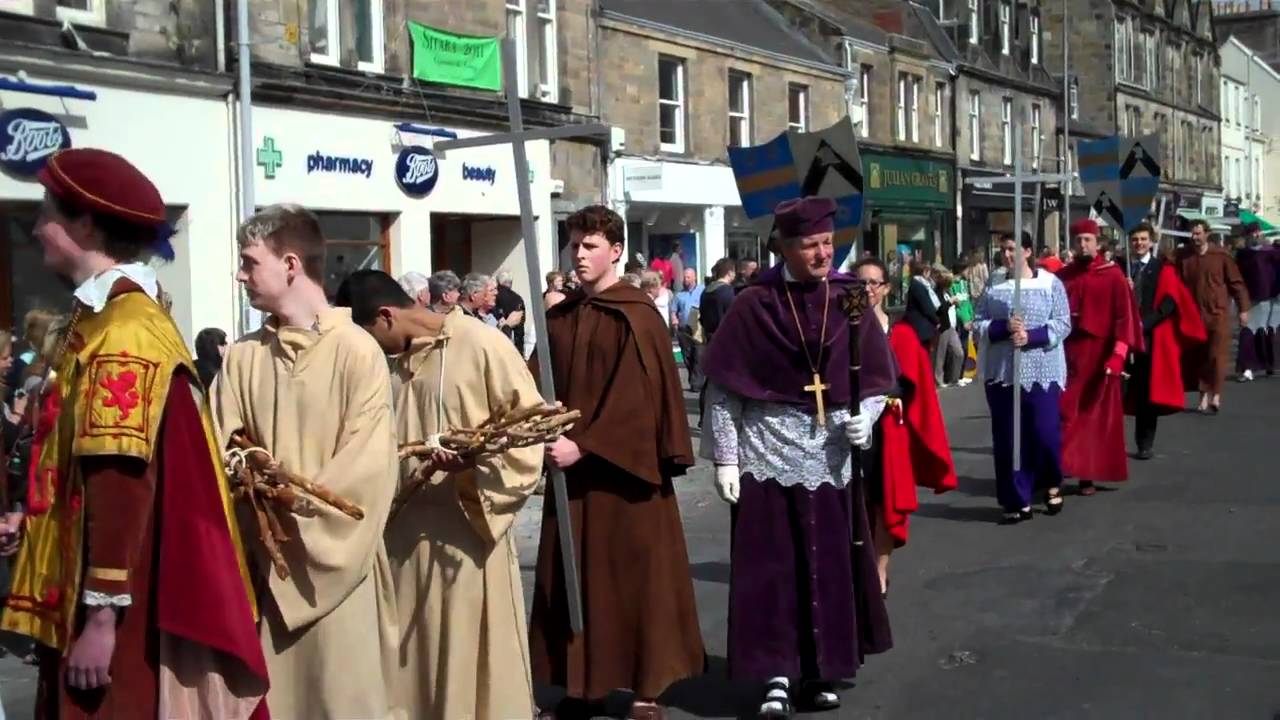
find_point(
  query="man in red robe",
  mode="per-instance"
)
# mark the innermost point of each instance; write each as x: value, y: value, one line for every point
x: 1104, y: 329
x: 911, y: 448
x: 131, y: 574
x: 1170, y: 324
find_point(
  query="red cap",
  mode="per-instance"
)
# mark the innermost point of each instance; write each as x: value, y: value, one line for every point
x: 805, y: 216
x: 103, y: 182
x: 1085, y: 226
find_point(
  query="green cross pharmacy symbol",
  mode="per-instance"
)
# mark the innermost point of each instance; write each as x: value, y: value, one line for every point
x: 269, y: 158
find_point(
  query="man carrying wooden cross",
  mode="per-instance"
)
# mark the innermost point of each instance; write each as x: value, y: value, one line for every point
x: 312, y: 390
x: 463, y: 647
x: 805, y: 598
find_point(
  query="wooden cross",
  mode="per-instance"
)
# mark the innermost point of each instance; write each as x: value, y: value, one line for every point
x: 816, y: 388
x: 529, y: 239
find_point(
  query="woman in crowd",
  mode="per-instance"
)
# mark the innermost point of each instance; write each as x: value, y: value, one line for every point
x: 27, y: 362
x: 923, y: 305
x: 555, y: 289
x: 211, y: 343
x: 948, y: 359
x: 652, y: 282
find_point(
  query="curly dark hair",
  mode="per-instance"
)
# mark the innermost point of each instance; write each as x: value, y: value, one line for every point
x: 598, y: 219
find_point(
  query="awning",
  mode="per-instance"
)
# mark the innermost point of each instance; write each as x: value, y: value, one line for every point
x: 1248, y: 217
x: 1215, y: 223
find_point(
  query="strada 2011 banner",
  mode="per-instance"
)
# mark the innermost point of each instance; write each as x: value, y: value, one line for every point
x: 451, y: 59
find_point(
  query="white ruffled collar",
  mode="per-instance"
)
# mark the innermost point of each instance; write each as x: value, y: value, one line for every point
x: 95, y: 291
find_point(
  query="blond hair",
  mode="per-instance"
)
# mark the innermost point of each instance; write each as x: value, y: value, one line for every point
x: 650, y: 279
x: 287, y: 228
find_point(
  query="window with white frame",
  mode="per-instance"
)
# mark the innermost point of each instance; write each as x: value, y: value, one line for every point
x: 975, y: 125
x: 913, y: 110
x: 864, y: 98
x: 328, y: 33
x: 900, y: 115
x: 1150, y: 59
x: 1035, y: 39
x: 531, y: 24
x: 1257, y: 113
x: 1006, y: 130
x: 1223, y: 100
x: 1073, y: 99
x: 1200, y: 78
x: 1124, y: 49
x: 739, y: 109
x: 79, y: 12
x: 671, y: 109
x: 1036, y: 140
x: 1206, y: 150
x: 1239, y: 94
x: 1006, y: 35
x: 1257, y: 177
x: 975, y: 21
x: 939, y: 119
x: 1226, y: 173
x: 797, y: 107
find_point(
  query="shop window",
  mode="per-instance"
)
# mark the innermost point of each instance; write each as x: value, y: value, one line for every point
x: 82, y: 12
x: 353, y: 241
x: 798, y: 108
x: 328, y: 33
x: 739, y: 109
x: 671, y: 108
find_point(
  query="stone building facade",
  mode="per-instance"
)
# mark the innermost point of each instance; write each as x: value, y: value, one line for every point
x: 1150, y: 68
x: 685, y: 83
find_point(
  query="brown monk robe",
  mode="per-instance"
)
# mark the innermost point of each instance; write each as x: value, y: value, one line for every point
x: 1211, y: 275
x: 612, y: 360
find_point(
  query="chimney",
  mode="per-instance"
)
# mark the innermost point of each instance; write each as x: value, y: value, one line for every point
x: 889, y: 21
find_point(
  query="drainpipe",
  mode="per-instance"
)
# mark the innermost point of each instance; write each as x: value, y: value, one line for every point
x: 249, y: 317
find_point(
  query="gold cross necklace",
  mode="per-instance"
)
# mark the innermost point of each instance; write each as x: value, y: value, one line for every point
x: 818, y: 386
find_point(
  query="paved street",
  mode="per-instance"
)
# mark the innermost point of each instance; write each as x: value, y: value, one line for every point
x: 1152, y: 601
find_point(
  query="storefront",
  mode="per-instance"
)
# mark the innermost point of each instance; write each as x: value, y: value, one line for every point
x: 696, y: 205
x: 177, y: 133
x: 988, y: 213
x: 386, y: 200
x: 910, y: 211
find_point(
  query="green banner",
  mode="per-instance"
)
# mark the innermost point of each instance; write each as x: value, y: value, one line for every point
x: 907, y: 182
x: 451, y: 59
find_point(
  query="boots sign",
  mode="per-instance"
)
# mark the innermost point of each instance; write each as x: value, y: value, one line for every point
x: 417, y: 171
x: 27, y: 138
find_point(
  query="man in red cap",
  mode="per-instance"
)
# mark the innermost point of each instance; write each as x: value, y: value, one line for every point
x: 786, y: 413
x: 131, y: 573
x: 1104, y: 328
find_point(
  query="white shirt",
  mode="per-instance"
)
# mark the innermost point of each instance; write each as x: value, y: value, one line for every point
x: 95, y: 291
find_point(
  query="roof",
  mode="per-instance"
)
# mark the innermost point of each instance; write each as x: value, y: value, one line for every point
x: 751, y: 23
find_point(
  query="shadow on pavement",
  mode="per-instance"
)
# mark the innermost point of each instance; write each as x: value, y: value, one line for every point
x: 716, y: 572
x: 959, y: 513
x: 976, y: 486
x: 713, y: 694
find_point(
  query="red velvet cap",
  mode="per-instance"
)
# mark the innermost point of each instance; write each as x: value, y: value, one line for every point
x: 1085, y: 226
x: 805, y: 216
x: 103, y: 182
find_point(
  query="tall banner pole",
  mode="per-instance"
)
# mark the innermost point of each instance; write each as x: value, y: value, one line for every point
x: 1017, y: 294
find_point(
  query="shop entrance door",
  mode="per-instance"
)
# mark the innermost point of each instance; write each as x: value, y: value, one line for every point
x: 451, y: 243
x: 27, y: 284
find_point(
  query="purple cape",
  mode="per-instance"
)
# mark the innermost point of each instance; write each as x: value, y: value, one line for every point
x: 756, y: 351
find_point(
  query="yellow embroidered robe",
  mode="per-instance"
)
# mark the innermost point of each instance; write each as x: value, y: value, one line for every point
x: 320, y: 401
x: 463, y: 651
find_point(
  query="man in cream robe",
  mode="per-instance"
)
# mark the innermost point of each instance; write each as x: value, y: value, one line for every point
x: 313, y: 389
x: 463, y: 649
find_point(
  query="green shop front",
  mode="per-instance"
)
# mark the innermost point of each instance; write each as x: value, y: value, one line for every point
x: 909, y: 213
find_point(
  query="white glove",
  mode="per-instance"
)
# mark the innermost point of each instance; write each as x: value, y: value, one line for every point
x: 727, y: 483
x: 858, y: 430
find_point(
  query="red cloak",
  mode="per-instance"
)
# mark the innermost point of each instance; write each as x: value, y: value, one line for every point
x: 1169, y: 341
x: 914, y: 443
x: 1103, y: 312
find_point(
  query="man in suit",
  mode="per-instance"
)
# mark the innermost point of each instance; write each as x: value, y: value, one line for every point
x: 1171, y: 325
x: 1144, y: 272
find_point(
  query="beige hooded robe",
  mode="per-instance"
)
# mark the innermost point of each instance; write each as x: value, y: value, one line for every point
x: 320, y: 401
x: 463, y: 651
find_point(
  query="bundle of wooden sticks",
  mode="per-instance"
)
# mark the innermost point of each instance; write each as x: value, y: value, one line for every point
x: 257, y: 477
x: 506, y: 429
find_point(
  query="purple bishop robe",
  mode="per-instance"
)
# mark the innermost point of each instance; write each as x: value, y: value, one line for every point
x: 804, y: 595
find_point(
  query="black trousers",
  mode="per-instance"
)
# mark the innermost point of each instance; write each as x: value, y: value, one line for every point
x: 1145, y: 416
